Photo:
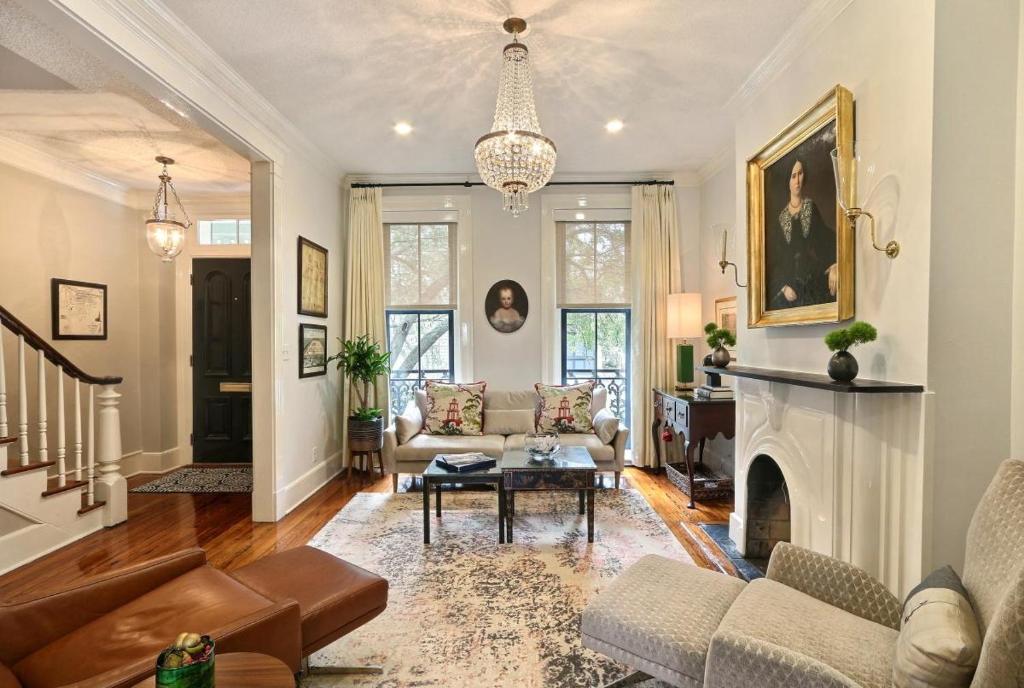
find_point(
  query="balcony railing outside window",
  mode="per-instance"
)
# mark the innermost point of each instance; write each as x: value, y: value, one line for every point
x: 422, y: 348
x: 595, y: 346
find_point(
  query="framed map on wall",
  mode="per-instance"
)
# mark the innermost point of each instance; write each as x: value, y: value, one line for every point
x: 312, y: 278
x: 78, y: 309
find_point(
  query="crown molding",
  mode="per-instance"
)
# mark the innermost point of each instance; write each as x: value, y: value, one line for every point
x: 29, y: 159
x: 808, y: 26
x: 162, y: 39
x: 716, y: 164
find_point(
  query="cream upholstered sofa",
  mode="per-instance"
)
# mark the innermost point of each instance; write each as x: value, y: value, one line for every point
x: 508, y: 416
x: 815, y: 620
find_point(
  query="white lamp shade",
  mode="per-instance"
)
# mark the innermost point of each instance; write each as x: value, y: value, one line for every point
x: 684, y: 316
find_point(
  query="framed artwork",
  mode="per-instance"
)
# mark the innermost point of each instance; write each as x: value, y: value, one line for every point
x: 725, y: 317
x: 506, y: 306
x: 800, y: 244
x: 78, y: 309
x: 312, y: 350
x: 312, y: 279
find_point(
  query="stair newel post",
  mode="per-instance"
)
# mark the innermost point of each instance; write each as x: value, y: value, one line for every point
x: 62, y: 468
x: 76, y: 447
x: 91, y: 449
x: 111, y: 487
x: 22, y: 404
x: 44, y: 452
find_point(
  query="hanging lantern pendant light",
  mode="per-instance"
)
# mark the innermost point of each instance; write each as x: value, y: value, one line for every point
x: 166, y: 229
x: 515, y: 158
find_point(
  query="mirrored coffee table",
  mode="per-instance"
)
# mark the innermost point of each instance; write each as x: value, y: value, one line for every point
x: 437, y: 476
x: 569, y: 469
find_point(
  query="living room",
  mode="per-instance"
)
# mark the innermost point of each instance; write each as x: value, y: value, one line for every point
x: 548, y: 344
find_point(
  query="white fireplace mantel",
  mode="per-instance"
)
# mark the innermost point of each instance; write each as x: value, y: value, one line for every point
x: 855, y: 470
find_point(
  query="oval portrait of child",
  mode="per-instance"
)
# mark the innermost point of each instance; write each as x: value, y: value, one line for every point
x: 506, y: 306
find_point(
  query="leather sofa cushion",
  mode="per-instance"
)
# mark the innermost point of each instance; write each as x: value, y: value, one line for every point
x: 200, y: 600
x: 332, y: 593
x: 602, y: 453
x: 424, y: 447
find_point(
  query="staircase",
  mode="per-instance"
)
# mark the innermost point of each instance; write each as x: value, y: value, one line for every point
x: 48, y: 500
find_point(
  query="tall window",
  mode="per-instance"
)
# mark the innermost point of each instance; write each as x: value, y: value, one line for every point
x: 594, y: 295
x: 421, y: 306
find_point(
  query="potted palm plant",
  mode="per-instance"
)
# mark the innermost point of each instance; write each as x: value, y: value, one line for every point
x: 363, y: 361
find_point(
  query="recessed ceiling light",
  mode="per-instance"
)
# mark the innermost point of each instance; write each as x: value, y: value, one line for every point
x: 403, y: 128
x: 581, y: 216
x: 614, y: 126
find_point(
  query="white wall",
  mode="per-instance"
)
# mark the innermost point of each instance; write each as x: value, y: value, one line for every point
x: 883, y: 52
x: 972, y: 267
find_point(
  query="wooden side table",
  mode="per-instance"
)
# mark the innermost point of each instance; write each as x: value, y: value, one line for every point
x: 244, y: 670
x: 695, y: 421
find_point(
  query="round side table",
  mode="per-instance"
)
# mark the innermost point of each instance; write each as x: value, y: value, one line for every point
x: 244, y: 670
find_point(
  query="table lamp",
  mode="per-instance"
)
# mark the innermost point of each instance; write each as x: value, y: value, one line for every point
x: 684, y: 323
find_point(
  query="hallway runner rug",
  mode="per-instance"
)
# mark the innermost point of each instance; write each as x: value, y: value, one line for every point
x: 465, y: 611
x: 195, y: 480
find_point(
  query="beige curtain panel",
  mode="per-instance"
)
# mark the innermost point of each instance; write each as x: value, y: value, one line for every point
x: 655, y: 249
x: 365, y: 280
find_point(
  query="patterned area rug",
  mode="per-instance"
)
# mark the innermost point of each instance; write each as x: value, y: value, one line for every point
x: 192, y: 479
x: 465, y: 611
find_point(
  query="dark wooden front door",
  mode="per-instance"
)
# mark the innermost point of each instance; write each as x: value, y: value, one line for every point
x: 221, y: 360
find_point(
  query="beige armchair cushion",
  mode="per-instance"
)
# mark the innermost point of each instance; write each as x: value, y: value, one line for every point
x: 769, y: 614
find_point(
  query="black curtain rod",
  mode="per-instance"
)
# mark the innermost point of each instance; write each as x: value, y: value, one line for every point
x: 370, y: 185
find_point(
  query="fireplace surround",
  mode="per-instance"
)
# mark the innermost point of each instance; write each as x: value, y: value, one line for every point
x: 853, y: 468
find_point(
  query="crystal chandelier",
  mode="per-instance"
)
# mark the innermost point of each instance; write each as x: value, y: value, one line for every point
x: 165, y: 230
x: 515, y: 158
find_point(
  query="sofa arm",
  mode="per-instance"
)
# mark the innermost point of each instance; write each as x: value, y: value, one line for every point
x: 619, y: 444
x: 736, y: 660
x: 388, y: 450
x: 26, y: 626
x: 834, y: 582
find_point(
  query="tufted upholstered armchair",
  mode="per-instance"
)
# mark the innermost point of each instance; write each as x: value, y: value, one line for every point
x: 814, y: 621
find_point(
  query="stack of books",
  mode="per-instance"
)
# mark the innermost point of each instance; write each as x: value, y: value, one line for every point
x: 464, y: 463
x: 712, y: 392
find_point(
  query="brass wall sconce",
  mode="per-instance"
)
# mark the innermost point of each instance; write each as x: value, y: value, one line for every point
x: 724, y: 262
x: 845, y: 168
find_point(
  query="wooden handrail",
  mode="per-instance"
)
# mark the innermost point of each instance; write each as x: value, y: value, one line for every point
x: 51, y: 354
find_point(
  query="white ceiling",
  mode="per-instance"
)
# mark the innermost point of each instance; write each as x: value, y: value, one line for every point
x: 345, y: 72
x: 64, y: 104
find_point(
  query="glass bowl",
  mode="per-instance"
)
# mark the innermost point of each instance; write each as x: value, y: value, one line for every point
x: 541, y: 445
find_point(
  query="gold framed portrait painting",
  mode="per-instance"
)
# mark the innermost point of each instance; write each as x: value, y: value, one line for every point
x: 799, y: 242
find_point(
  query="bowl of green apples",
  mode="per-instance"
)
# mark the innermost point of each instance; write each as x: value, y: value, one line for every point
x: 188, y: 663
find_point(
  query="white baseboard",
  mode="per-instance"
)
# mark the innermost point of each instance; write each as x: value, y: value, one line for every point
x: 138, y: 462
x: 300, y: 489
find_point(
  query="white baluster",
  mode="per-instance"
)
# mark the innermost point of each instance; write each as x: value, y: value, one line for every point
x: 91, y: 451
x: 22, y: 404
x: 62, y: 467
x: 3, y: 393
x: 76, y: 449
x: 111, y: 487
x: 3, y: 404
x: 44, y: 454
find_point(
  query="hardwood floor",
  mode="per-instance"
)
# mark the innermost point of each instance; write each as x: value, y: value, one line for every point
x: 219, y: 523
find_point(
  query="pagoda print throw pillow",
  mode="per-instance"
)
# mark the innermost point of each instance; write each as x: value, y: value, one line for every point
x: 454, y: 409
x: 565, y: 409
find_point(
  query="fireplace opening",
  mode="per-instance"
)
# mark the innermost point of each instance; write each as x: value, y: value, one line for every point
x: 768, y: 518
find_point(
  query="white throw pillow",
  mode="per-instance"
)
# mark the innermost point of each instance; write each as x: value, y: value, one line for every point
x: 508, y: 421
x: 939, y: 643
x: 409, y: 424
x: 606, y: 425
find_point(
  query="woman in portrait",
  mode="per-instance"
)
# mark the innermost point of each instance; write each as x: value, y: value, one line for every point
x: 801, y: 258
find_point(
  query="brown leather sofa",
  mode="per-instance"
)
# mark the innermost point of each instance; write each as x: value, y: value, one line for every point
x: 107, y: 631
